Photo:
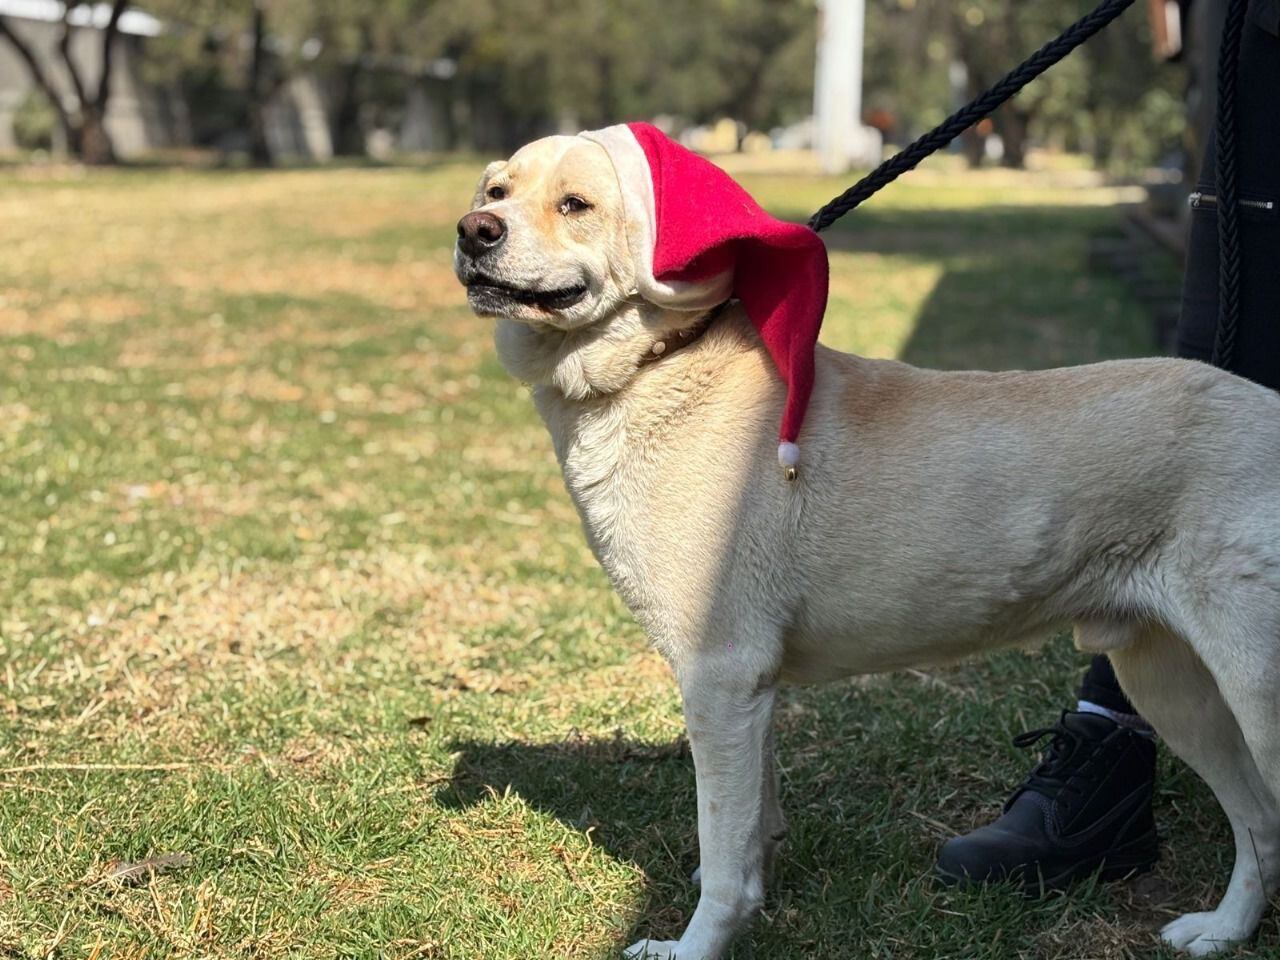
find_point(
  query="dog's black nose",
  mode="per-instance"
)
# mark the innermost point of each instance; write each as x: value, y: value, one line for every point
x: 479, y: 232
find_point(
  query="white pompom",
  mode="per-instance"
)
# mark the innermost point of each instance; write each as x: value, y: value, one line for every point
x: 788, y: 454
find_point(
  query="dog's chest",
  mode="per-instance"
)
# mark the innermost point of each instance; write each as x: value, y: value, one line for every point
x: 610, y: 480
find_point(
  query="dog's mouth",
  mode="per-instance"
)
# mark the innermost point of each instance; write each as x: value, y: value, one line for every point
x: 486, y: 294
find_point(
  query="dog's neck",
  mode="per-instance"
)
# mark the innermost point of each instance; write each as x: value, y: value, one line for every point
x: 599, y: 360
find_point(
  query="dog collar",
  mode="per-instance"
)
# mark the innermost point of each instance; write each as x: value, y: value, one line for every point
x: 660, y: 349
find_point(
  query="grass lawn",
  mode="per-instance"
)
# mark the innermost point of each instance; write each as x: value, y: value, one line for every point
x: 289, y: 586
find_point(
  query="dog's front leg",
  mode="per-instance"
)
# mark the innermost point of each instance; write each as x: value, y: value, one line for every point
x: 728, y: 707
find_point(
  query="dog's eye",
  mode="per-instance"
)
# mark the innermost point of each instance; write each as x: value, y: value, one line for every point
x: 572, y: 204
x: 495, y: 192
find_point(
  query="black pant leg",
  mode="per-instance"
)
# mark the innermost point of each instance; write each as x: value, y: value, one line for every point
x: 1100, y: 686
x: 1257, y: 354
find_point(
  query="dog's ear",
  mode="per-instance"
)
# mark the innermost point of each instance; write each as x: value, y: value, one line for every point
x: 489, y: 171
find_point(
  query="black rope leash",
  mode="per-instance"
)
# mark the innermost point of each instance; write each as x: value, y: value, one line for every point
x: 971, y: 113
x: 1225, y: 170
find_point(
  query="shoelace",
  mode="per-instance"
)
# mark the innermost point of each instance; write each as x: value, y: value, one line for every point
x: 1056, y: 769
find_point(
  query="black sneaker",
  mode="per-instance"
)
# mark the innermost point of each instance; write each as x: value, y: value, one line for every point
x: 1085, y: 808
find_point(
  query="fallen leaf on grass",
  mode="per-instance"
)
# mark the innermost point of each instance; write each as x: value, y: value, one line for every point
x: 147, y: 868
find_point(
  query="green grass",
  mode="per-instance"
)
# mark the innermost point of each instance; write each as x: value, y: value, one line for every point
x: 289, y: 584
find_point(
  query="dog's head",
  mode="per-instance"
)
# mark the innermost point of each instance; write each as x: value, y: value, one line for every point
x: 545, y: 241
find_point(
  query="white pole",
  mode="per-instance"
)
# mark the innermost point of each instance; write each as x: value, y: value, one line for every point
x: 837, y: 105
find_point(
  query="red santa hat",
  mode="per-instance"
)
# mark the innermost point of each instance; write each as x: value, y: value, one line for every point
x: 697, y: 238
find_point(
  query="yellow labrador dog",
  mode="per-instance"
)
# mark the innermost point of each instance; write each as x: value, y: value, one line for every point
x: 935, y: 515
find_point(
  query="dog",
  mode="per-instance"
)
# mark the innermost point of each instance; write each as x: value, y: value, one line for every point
x: 936, y: 515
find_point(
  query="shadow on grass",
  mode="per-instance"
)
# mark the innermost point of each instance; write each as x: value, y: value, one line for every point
x: 875, y: 776
x: 636, y: 800
x: 855, y: 857
x: 851, y: 775
x: 929, y: 231
x: 1017, y: 289
x: 615, y: 787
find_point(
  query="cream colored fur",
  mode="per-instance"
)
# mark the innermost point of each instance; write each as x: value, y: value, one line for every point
x: 936, y: 515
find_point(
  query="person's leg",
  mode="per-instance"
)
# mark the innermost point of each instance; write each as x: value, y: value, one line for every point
x: 1100, y: 693
x: 1047, y: 835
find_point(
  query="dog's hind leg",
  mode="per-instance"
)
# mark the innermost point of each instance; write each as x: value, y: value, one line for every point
x: 1248, y: 673
x: 728, y: 708
x: 1176, y: 693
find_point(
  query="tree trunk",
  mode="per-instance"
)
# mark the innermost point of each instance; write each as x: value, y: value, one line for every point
x: 96, y: 146
x: 259, y: 149
x: 1013, y: 134
x: 608, y: 96
x: 973, y: 141
x: 974, y: 147
x: 94, y: 142
x: 1104, y: 145
x: 348, y: 137
x: 85, y: 133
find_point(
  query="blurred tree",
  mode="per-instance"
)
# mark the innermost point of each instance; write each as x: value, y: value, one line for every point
x: 234, y: 56
x: 593, y: 62
x: 1109, y: 98
x: 355, y: 45
x: 992, y: 36
x: 261, y: 84
x: 1131, y: 110
x: 34, y: 123
x: 509, y: 70
x: 347, y: 33
x: 905, y: 65
x: 228, y: 62
x: 83, y: 128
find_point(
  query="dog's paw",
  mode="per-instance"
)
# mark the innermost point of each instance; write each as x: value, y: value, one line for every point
x: 1201, y: 934
x: 697, y: 877
x: 652, y: 950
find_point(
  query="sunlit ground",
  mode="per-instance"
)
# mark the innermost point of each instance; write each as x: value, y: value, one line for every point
x: 289, y: 586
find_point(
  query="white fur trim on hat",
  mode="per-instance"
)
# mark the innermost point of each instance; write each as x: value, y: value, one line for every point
x: 635, y: 180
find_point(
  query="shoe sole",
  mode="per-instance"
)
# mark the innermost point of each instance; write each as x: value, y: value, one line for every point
x: 1134, y: 858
